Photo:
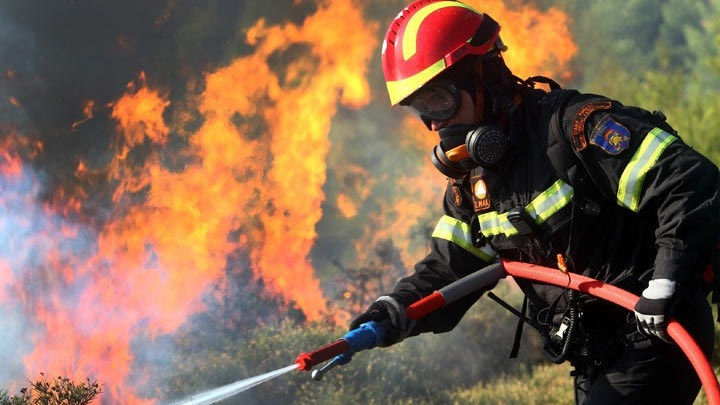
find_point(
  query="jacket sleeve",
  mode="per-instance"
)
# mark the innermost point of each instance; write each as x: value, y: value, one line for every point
x: 452, y: 256
x: 637, y: 160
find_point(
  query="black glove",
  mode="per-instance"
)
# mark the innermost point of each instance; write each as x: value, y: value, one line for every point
x: 387, y: 311
x: 652, y: 308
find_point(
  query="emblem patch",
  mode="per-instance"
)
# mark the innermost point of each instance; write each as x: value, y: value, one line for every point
x: 578, y: 135
x: 610, y: 136
x: 481, y: 200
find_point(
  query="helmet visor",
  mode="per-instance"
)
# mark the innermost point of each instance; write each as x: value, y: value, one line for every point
x: 437, y: 101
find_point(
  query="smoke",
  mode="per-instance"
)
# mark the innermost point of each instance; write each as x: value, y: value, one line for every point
x: 15, y: 228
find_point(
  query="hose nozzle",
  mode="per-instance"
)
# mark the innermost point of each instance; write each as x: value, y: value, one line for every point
x: 366, y: 336
x: 317, y: 375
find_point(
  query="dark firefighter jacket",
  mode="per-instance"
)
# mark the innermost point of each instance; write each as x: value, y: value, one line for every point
x: 636, y: 203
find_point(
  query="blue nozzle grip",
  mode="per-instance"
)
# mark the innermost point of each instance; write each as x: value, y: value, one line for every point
x: 342, y: 359
x: 365, y: 336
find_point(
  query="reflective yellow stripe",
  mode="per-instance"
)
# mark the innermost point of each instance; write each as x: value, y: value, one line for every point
x: 632, y: 177
x: 399, y: 89
x: 540, y: 209
x: 409, y: 40
x: 492, y: 223
x: 458, y: 232
x: 550, y: 201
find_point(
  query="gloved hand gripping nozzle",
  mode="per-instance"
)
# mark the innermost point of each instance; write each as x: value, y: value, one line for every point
x: 371, y: 334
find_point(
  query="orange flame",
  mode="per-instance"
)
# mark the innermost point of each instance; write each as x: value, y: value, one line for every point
x: 87, y: 114
x: 299, y: 122
x: 154, y: 260
x: 10, y: 164
x: 346, y: 206
x: 539, y: 42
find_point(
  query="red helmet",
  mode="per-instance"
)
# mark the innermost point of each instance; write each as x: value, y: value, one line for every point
x: 428, y: 37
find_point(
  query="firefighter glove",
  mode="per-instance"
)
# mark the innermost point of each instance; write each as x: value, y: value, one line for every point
x: 388, y: 312
x: 651, y: 310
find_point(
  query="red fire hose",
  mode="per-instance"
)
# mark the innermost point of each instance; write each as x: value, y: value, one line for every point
x: 626, y: 300
x: 492, y: 274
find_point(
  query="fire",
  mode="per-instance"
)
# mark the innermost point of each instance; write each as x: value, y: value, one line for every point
x: 539, y: 42
x: 140, y: 115
x: 168, y: 238
x: 346, y: 206
x: 299, y: 122
x: 87, y: 113
x: 10, y: 164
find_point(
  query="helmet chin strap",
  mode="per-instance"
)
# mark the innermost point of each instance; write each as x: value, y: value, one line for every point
x: 479, y: 93
x: 498, y: 87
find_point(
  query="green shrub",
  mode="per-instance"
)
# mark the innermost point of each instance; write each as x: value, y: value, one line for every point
x: 21, y: 399
x: 544, y: 384
x: 59, y: 391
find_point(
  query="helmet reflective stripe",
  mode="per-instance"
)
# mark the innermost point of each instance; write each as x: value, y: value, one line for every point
x: 540, y: 209
x: 631, y: 180
x: 410, y: 35
x: 427, y: 38
x: 400, y: 89
x: 458, y: 232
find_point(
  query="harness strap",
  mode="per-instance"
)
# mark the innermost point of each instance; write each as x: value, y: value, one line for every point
x: 567, y: 166
x: 542, y: 79
x: 518, y: 330
x: 522, y: 319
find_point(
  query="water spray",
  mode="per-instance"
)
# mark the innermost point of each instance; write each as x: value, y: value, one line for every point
x: 370, y: 334
x: 218, y: 394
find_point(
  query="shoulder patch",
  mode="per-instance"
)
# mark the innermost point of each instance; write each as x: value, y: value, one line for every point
x: 610, y: 136
x: 578, y: 133
x: 457, y: 194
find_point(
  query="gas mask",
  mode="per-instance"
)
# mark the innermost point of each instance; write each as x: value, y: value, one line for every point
x: 462, y: 147
x: 465, y: 147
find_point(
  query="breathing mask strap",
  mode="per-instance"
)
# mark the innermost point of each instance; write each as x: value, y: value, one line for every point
x: 450, y: 156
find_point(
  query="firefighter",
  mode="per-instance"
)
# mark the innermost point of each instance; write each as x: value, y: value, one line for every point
x: 559, y: 179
